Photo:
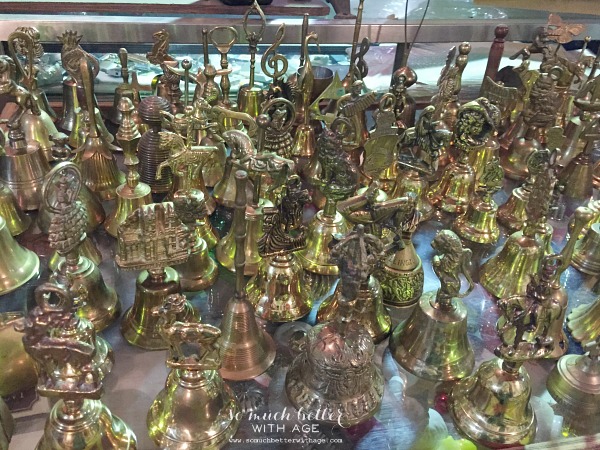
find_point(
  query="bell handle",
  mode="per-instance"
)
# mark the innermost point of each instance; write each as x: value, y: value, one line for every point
x: 42, y: 295
x: 29, y: 74
x: 466, y: 256
x: 239, y: 228
x: 123, y: 56
x: 88, y: 88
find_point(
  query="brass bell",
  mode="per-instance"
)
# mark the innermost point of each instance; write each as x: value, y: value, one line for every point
x: 586, y: 257
x: 22, y: 169
x: 15, y: 219
x: 278, y: 291
x: 334, y: 378
x: 577, y: 177
x: 19, y: 264
x: 20, y: 373
x: 247, y: 350
x: 478, y: 224
x: 87, y: 249
x: 194, y: 384
x: 95, y: 156
x: 132, y: 194
x: 432, y: 343
x: 152, y: 237
x: 70, y: 104
x: 224, y: 190
x: 409, y: 180
x: 575, y: 381
x: 199, y: 272
x: 481, y: 156
x: 123, y: 90
x: 39, y: 127
x: 584, y: 322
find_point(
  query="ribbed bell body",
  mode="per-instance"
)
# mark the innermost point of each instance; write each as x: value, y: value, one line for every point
x: 509, y: 271
x: 367, y: 309
x: 18, y: 265
x: 410, y: 181
x: 454, y: 190
x: 586, y: 257
x: 15, y: 219
x: 335, y: 378
x: 95, y: 213
x: 402, y: 276
x: 196, y: 410
x: 492, y: 406
x: 99, y: 168
x: 432, y: 343
x: 478, y: 224
x: 70, y: 104
x: 149, y: 152
x: 584, y: 322
x: 278, y: 291
x: 199, y: 272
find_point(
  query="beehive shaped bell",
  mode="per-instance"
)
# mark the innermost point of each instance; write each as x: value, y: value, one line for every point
x: 247, y: 350
x: 15, y: 219
x: 432, y: 343
x: 18, y: 265
x: 196, y: 409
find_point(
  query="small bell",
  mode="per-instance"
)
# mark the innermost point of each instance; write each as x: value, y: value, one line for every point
x: 247, y: 350
x: 67, y: 373
x: 584, y: 322
x: 196, y: 409
x: 132, y: 194
x: 124, y: 90
x: 151, y: 238
x: 19, y: 264
x: 70, y: 104
x: 432, y: 343
x: 508, y: 272
x: 16, y: 221
x: 482, y: 156
x: 278, y: 291
x: 586, y: 257
x: 199, y: 272
x: 478, y: 224
x: 66, y: 234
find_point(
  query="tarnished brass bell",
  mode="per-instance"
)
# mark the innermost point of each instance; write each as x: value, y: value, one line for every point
x: 20, y: 373
x: 18, y: 265
x: 70, y: 104
x: 432, y: 343
x: 196, y: 409
x: 22, y: 168
x: 132, y: 194
x: 334, y: 377
x: 123, y: 90
x: 15, y: 219
x: 151, y: 238
x: 586, y: 257
x: 247, y: 350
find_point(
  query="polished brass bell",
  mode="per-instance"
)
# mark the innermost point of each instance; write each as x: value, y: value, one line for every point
x: 586, y: 257
x: 432, y: 343
x: 584, y: 322
x: 18, y: 265
x: 87, y: 249
x: 196, y: 409
x: 577, y: 177
x: 123, y: 90
x: 15, y: 219
x: 455, y: 189
x: 334, y: 377
x: 39, y: 127
x: 247, y: 350
x: 20, y: 373
x: 409, y: 180
x: 513, y: 213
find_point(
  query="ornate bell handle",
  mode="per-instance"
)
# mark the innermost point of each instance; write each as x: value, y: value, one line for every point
x: 88, y: 88
x: 124, y: 69
x: 272, y: 59
x: 239, y: 228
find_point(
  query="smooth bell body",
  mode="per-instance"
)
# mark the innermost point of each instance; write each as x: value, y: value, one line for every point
x: 16, y: 220
x: 19, y: 372
x: 454, y: 190
x: 19, y: 265
x: 586, y: 257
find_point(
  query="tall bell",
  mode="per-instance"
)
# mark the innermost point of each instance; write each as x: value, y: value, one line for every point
x: 70, y: 104
x: 95, y: 156
x: 480, y: 157
x: 132, y: 194
x: 18, y: 264
x: 196, y: 409
x: 199, y: 272
x: 247, y: 350
x: 15, y: 219
x: 152, y: 238
x: 22, y: 169
x: 409, y: 180
x: 432, y: 343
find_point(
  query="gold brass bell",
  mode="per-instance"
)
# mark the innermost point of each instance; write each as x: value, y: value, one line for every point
x: 199, y: 272
x: 586, y: 257
x: 152, y: 237
x: 18, y: 265
x: 19, y: 372
x: 432, y: 343
x: 584, y: 322
x: 194, y: 385
x: 132, y: 194
x: 7, y: 425
x: 15, y: 219
x: 334, y: 376
x: 70, y: 104
x: 87, y: 249
x: 247, y: 350
x: 124, y: 90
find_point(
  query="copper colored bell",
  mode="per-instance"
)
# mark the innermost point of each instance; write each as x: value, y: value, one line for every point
x: 586, y: 257
x: 334, y: 378
x: 16, y: 220
x: 18, y: 264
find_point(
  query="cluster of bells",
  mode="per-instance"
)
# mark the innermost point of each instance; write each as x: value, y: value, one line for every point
x: 257, y: 154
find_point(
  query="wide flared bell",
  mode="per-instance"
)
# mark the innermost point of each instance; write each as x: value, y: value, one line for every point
x: 367, y: 309
x: 453, y: 192
x: 15, y: 219
x: 18, y: 264
x: 509, y: 271
x: 433, y: 343
x: 575, y: 383
x: 479, y: 224
x: 410, y: 181
x: 586, y: 257
x: 584, y: 322
x: 139, y: 326
x: 128, y: 200
x: 199, y: 272
x: 513, y: 213
x: 402, y: 277
x: 85, y: 423
x: 315, y: 256
x: 196, y: 410
x: 492, y: 406
x: 23, y: 170
x: 278, y: 291
x: 87, y: 249
x: 334, y: 378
